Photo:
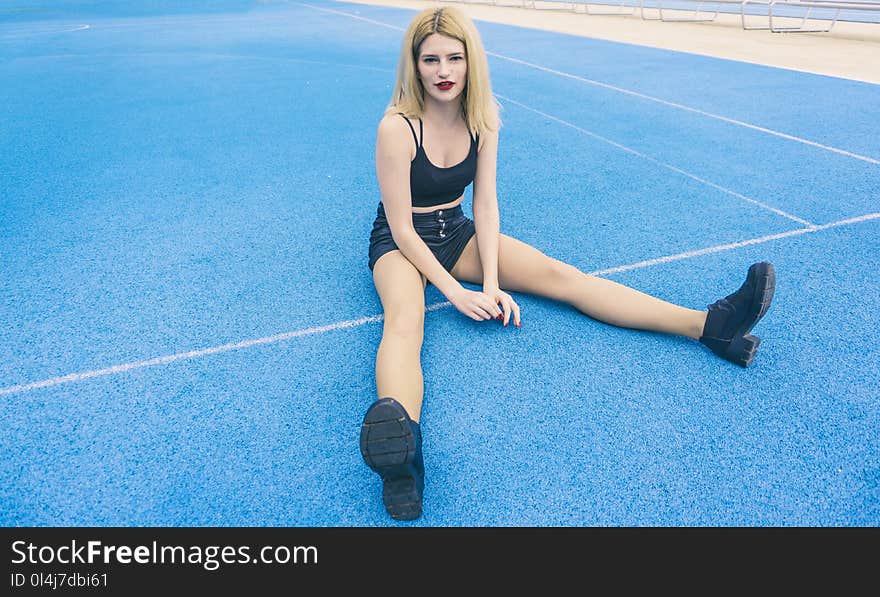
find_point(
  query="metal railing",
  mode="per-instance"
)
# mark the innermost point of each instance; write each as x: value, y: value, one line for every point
x: 702, y: 14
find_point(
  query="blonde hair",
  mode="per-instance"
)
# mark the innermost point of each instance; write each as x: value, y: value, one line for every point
x: 480, y: 109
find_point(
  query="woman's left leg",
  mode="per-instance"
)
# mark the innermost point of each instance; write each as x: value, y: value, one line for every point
x: 522, y: 268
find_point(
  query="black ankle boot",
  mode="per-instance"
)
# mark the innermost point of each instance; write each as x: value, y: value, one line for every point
x: 391, y: 444
x: 731, y: 319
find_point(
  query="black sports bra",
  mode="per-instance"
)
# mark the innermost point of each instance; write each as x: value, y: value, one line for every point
x: 430, y: 185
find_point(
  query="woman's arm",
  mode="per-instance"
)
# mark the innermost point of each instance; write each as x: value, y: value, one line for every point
x: 486, y: 218
x: 393, y: 141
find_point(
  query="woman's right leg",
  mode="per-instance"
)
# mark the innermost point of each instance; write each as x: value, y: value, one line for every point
x: 391, y: 438
x: 401, y: 288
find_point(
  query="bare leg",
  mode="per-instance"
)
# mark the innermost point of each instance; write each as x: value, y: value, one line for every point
x: 522, y: 268
x: 390, y: 445
x: 401, y: 289
x: 399, y: 370
x: 620, y: 305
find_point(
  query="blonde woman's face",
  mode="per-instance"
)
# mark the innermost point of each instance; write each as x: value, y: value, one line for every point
x: 442, y: 59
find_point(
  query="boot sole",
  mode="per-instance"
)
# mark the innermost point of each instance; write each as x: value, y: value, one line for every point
x: 388, y: 446
x: 744, y: 346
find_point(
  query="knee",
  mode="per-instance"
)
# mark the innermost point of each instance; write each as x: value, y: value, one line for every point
x: 406, y: 323
x: 561, y: 272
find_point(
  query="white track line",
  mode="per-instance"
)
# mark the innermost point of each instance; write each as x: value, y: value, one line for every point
x: 207, y: 55
x: 695, y: 111
x: 16, y: 35
x: 376, y: 318
x: 187, y: 355
x: 118, y: 24
x: 348, y: 14
x: 663, y: 164
x: 745, y: 243
x: 631, y: 93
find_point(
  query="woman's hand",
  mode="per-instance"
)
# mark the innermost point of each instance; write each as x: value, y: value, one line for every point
x: 507, y: 303
x: 476, y: 305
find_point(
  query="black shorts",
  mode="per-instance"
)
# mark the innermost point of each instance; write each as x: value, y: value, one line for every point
x: 445, y: 231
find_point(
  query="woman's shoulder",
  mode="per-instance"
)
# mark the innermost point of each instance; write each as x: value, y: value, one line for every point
x: 391, y: 119
x: 488, y: 136
x: 393, y: 131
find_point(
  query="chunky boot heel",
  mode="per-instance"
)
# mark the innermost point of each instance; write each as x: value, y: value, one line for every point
x: 402, y: 498
x: 391, y: 445
x: 742, y: 350
x: 730, y: 319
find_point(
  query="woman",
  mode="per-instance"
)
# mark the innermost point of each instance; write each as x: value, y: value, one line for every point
x: 439, y: 134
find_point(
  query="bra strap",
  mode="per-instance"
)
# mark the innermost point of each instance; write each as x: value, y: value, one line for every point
x: 413, y: 130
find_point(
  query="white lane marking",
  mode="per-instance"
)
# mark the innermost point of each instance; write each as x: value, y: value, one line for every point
x: 348, y: 14
x: 745, y: 243
x: 643, y: 96
x: 695, y: 111
x: 663, y: 164
x: 206, y: 55
x: 17, y: 389
x: 16, y: 35
x: 187, y: 355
